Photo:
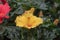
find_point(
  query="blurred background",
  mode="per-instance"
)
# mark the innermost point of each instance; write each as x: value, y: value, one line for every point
x: 50, y: 9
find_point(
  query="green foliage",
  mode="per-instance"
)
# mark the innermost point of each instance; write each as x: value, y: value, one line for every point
x: 45, y: 31
x: 39, y: 33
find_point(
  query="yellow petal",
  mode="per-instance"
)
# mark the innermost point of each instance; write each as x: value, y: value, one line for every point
x: 28, y: 20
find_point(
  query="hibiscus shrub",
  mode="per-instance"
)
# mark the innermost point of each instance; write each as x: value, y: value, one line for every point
x: 29, y: 19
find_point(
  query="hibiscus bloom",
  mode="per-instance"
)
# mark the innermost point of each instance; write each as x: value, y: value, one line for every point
x: 4, y: 10
x: 28, y: 20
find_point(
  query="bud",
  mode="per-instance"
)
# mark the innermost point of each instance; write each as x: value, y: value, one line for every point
x: 40, y: 14
x: 56, y: 21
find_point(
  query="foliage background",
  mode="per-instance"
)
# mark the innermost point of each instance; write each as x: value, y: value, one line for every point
x: 47, y: 31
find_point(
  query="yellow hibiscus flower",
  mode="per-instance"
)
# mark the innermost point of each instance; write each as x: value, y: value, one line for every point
x: 28, y: 20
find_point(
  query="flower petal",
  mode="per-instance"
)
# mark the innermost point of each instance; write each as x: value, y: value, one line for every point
x: 1, y: 20
x: 3, y: 1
